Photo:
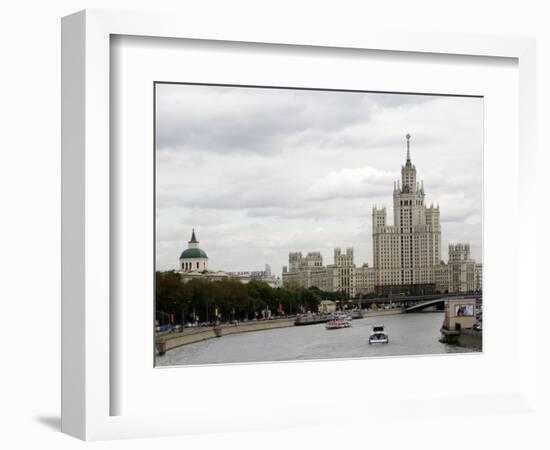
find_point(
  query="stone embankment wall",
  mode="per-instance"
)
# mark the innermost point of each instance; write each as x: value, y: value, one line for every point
x: 190, y: 336
x: 382, y: 312
x: 470, y: 338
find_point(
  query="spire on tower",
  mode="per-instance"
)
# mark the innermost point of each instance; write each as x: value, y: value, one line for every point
x: 193, y: 238
x: 408, y: 136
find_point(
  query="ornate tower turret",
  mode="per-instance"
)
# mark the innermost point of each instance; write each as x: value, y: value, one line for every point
x: 408, y: 171
x: 408, y: 137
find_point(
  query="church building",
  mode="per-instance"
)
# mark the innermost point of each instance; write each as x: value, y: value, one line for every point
x: 193, y: 259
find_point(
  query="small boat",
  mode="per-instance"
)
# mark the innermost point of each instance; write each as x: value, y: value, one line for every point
x: 338, y: 323
x: 342, y: 315
x: 311, y: 319
x: 378, y: 335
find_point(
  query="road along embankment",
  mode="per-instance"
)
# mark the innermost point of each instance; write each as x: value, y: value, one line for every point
x: 190, y: 336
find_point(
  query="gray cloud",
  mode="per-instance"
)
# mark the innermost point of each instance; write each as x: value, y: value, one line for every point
x: 243, y: 119
x: 260, y: 173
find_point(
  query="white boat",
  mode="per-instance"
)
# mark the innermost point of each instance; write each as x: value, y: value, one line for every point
x: 343, y: 316
x: 338, y: 323
x: 378, y: 335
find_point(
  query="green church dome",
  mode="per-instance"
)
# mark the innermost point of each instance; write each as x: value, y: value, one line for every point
x: 193, y: 253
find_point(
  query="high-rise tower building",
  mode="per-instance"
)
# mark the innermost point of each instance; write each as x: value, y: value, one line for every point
x: 406, y: 255
x: 407, y: 252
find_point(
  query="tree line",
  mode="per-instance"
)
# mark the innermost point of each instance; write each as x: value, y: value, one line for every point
x: 227, y: 300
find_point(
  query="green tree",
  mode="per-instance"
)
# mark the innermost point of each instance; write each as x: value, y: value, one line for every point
x: 231, y: 298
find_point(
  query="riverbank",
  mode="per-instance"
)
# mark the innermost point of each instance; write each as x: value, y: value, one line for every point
x: 382, y: 312
x: 410, y: 334
x: 191, y: 335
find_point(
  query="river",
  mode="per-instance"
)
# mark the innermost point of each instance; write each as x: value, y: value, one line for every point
x: 409, y: 334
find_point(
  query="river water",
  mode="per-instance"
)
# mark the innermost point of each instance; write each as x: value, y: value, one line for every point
x: 409, y: 334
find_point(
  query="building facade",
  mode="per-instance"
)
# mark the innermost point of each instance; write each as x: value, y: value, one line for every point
x: 341, y: 276
x: 307, y: 271
x: 461, y: 273
x: 262, y: 275
x: 406, y: 254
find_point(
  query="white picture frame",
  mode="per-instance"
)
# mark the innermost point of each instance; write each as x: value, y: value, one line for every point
x: 87, y: 383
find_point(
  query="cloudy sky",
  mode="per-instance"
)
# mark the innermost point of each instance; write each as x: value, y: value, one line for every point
x: 262, y: 172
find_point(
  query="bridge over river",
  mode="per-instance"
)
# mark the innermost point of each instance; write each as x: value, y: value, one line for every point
x: 416, y: 303
x: 432, y: 302
x: 412, y: 299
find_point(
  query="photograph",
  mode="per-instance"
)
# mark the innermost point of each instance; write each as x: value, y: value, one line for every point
x: 298, y: 224
x: 464, y: 310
